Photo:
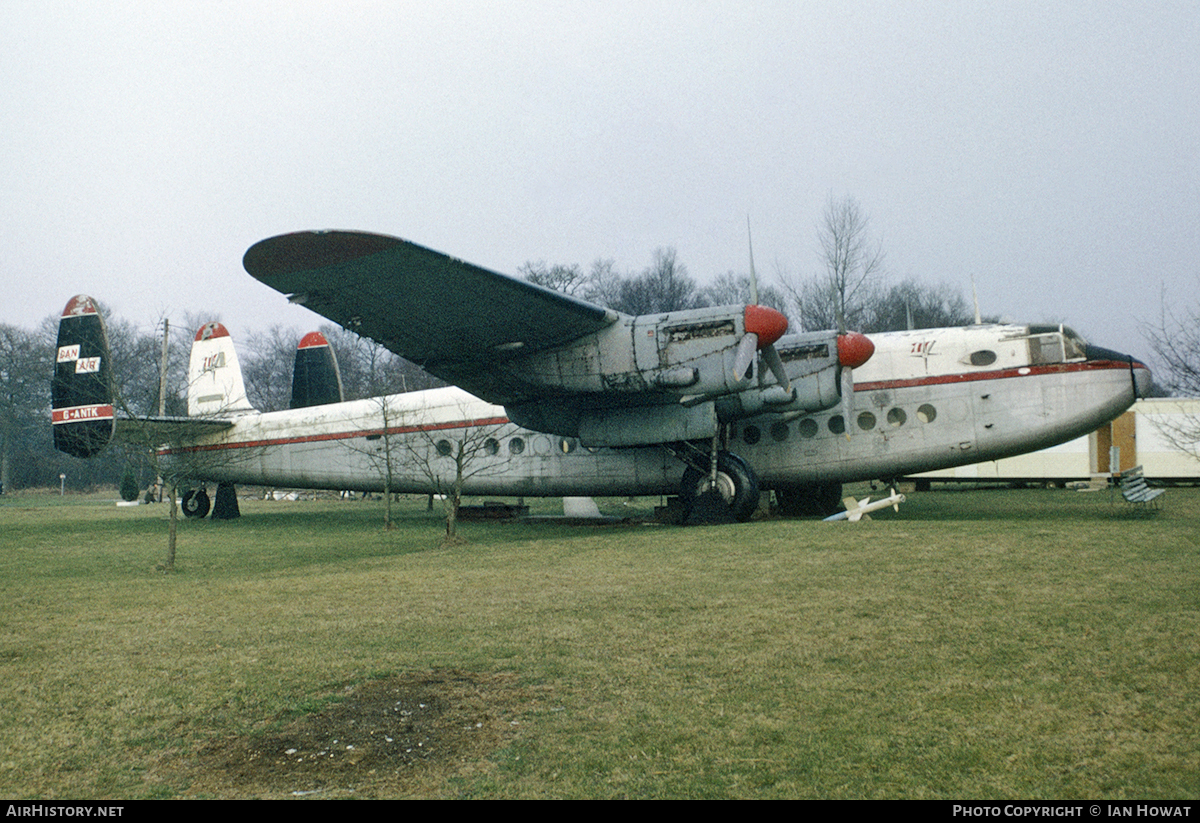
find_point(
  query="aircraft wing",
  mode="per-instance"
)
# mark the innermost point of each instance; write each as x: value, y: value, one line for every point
x: 456, y: 320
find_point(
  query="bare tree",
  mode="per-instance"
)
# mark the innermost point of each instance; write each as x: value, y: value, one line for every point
x: 174, y: 448
x: 267, y: 367
x: 912, y: 304
x: 568, y: 279
x: 384, y: 449
x: 25, y: 362
x: 603, y: 283
x: 1176, y: 343
x: 664, y: 286
x: 731, y: 288
x: 448, y: 458
x: 852, y: 263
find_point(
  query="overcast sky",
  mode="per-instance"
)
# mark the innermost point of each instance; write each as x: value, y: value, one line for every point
x: 1049, y: 150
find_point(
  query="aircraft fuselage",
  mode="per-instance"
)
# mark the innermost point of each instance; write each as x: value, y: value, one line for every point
x: 928, y: 399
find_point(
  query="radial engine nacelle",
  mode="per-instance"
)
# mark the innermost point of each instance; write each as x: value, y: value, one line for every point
x: 693, y: 370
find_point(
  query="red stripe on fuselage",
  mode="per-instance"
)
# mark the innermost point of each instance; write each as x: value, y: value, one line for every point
x: 346, y: 435
x: 1003, y: 374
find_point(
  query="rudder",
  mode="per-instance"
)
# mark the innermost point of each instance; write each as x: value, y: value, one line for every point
x: 316, y: 379
x: 81, y: 390
x: 215, y: 385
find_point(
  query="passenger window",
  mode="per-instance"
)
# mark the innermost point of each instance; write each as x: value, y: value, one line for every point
x: 566, y: 445
x: 516, y: 445
x: 444, y: 448
x: 926, y: 413
x: 896, y: 418
x: 779, y: 432
x: 491, y: 446
x: 866, y: 421
x: 808, y: 428
x: 983, y: 357
x: 836, y: 424
x: 751, y: 435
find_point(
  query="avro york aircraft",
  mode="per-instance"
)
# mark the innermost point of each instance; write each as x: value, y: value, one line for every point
x: 554, y: 396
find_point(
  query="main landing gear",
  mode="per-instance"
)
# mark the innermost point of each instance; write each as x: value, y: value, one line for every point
x: 195, y: 502
x: 722, y: 474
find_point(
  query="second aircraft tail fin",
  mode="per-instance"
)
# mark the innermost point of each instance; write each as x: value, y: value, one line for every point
x: 315, y: 378
x: 215, y: 386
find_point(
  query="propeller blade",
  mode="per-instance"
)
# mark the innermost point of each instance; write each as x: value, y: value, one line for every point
x: 753, y: 276
x: 746, y: 348
x: 847, y: 389
x: 775, y: 364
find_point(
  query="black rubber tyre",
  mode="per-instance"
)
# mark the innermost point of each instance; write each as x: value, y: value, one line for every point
x: 195, y: 503
x: 736, y: 483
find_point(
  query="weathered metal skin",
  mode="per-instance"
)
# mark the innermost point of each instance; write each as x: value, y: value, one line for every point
x: 686, y: 359
x: 558, y: 364
x: 923, y: 400
x: 948, y: 397
x: 927, y: 399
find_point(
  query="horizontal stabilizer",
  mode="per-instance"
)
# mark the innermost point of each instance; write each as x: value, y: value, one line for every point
x: 153, y: 432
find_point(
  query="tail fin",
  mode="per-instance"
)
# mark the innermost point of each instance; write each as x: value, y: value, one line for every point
x: 316, y: 379
x: 81, y: 391
x: 215, y: 384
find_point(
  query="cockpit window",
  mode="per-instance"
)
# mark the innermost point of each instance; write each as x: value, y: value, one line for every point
x: 1045, y: 348
x: 1055, y: 344
x: 1075, y: 345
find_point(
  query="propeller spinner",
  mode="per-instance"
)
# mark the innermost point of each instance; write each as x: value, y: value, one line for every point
x: 764, y: 325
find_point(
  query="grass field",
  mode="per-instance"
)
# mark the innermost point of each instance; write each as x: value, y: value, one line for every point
x: 979, y: 644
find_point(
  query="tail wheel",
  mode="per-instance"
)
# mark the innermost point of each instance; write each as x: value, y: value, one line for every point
x: 195, y: 503
x: 736, y: 483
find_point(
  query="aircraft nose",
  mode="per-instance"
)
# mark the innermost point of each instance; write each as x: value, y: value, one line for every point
x: 1139, y: 371
x: 1143, y: 380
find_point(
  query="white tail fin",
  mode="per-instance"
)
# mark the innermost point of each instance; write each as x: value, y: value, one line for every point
x: 215, y: 384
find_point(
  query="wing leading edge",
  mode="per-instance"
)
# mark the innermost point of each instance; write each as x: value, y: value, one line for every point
x: 457, y: 320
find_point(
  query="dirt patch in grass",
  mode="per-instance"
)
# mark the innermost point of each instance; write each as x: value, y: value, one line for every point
x: 393, y: 737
